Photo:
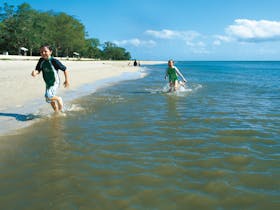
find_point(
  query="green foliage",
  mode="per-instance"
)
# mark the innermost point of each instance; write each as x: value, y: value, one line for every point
x: 112, y: 52
x: 91, y: 49
x: 23, y: 26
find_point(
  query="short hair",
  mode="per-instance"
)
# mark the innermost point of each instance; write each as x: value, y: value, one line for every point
x: 46, y: 46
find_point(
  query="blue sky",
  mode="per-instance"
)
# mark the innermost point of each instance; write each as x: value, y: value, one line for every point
x: 179, y: 29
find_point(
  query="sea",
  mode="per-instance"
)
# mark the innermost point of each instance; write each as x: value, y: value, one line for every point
x: 131, y: 144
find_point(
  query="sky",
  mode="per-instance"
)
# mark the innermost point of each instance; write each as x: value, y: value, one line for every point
x: 178, y: 29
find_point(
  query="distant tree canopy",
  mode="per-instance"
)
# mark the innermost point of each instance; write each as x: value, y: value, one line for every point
x: 23, y: 26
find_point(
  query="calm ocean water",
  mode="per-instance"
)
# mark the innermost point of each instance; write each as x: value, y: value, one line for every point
x: 215, y: 145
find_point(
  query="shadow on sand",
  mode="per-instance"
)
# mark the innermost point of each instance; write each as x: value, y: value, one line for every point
x: 20, y: 117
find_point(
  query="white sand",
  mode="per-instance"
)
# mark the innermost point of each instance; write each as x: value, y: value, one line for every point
x: 19, y: 88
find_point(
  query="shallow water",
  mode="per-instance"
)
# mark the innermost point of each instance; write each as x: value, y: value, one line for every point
x: 133, y: 146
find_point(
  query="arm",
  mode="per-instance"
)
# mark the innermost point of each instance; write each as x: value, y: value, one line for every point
x: 166, y: 74
x: 34, y: 73
x: 66, y: 76
x: 58, y: 65
x: 37, y: 70
x: 180, y: 74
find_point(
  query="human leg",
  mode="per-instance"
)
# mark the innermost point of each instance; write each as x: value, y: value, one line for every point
x: 55, y: 101
x: 176, y: 85
x: 170, y: 86
x: 59, y: 102
x: 54, y: 106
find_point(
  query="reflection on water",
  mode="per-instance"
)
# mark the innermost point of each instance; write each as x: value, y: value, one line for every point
x: 126, y: 148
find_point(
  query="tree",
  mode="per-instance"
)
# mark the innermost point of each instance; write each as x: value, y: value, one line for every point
x: 23, y: 26
x: 113, y: 52
x: 41, y: 30
x: 91, y: 49
x: 27, y: 37
x: 17, y: 27
x: 7, y: 26
x: 69, y: 34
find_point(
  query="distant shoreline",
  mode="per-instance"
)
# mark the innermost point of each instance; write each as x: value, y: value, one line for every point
x: 144, y: 62
x: 30, y: 58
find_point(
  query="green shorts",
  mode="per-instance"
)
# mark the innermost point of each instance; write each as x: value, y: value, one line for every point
x: 173, y: 79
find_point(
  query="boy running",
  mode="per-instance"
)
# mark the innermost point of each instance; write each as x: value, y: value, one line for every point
x: 49, y: 67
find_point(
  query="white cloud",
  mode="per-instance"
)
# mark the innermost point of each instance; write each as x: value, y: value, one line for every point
x: 192, y: 39
x: 163, y: 34
x: 254, y: 31
x: 171, y: 34
x: 219, y: 39
x: 136, y: 42
x: 223, y: 38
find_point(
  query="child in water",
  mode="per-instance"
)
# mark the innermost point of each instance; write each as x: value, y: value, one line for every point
x: 172, y: 73
x: 49, y: 67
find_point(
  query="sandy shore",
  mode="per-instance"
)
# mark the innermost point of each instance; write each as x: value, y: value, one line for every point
x: 19, y: 88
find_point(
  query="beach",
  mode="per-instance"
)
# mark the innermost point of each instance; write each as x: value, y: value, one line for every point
x: 22, y: 94
x: 127, y: 143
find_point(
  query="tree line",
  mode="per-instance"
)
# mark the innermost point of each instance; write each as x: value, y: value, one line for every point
x: 22, y: 26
